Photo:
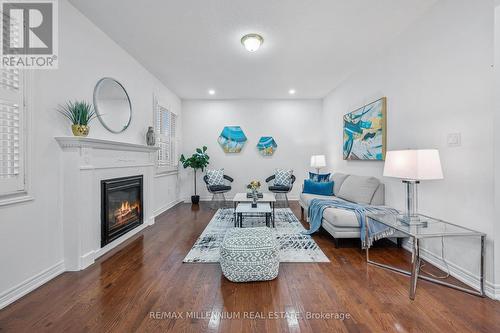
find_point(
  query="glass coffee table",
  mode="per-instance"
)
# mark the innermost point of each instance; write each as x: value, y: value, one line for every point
x: 268, y: 198
x: 429, y: 228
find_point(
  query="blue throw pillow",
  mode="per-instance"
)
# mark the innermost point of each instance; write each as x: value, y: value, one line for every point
x: 318, y: 177
x: 320, y: 188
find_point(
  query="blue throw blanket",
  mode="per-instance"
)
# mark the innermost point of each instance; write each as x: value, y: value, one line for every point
x: 377, y: 230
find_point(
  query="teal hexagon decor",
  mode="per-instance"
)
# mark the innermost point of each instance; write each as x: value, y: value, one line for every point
x: 232, y: 139
x: 266, y: 145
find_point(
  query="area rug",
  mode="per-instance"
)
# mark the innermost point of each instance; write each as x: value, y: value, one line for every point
x: 294, y: 246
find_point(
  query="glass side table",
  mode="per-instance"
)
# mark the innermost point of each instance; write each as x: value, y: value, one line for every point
x: 430, y: 228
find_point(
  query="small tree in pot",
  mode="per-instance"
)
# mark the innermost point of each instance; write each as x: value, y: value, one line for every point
x: 199, y: 160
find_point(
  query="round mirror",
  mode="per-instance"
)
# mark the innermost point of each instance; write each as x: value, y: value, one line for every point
x: 112, y: 104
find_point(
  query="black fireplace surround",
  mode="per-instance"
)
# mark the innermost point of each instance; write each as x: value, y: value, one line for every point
x: 121, y: 206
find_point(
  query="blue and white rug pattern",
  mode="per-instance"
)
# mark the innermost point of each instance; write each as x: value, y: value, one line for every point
x: 294, y: 246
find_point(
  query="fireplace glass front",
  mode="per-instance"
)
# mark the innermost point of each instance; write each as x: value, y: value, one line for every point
x: 122, y: 207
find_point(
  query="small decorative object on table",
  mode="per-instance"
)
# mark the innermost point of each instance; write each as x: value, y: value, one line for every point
x: 254, y: 186
x: 80, y: 114
x: 150, y: 136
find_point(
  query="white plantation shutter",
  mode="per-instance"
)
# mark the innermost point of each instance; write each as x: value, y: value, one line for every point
x: 11, y: 131
x: 166, y: 128
x: 173, y: 140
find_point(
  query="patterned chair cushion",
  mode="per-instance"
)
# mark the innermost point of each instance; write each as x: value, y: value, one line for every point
x: 219, y: 188
x: 215, y: 177
x: 283, y: 177
x: 249, y: 254
x: 284, y: 189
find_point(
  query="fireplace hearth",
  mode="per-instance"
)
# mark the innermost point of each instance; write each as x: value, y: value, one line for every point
x: 121, y: 207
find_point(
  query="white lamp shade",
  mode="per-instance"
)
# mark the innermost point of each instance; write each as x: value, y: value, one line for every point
x: 318, y: 161
x: 418, y: 164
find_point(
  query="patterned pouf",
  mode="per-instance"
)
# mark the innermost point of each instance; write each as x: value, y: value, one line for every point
x: 249, y: 254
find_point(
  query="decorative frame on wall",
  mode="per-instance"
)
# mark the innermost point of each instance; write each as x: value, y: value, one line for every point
x: 232, y: 139
x: 267, y: 145
x: 365, y: 132
x: 112, y: 105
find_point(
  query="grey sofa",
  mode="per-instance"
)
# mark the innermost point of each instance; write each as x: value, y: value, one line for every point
x: 359, y: 189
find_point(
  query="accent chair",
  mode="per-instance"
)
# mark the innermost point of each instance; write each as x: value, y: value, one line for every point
x: 219, y: 190
x: 279, y: 189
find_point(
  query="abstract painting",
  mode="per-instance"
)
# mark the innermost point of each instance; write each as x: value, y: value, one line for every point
x: 232, y: 139
x: 365, y: 132
x: 266, y: 145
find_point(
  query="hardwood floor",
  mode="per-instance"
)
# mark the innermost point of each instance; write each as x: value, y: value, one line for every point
x: 140, y: 284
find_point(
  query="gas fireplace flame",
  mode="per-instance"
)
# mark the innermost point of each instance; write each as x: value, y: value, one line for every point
x: 127, y: 211
x: 125, y: 206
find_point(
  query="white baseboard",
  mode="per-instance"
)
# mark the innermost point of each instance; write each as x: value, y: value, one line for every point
x: 85, y: 261
x: 166, y: 207
x: 463, y: 275
x: 30, y: 284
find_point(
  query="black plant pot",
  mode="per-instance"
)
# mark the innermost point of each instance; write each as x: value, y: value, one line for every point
x: 195, y: 199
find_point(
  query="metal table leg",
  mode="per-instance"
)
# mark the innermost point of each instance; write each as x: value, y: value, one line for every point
x: 367, y: 248
x: 235, y: 217
x: 274, y: 217
x: 415, y: 268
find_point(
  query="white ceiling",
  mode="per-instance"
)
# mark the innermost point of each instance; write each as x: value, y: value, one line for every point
x: 193, y: 45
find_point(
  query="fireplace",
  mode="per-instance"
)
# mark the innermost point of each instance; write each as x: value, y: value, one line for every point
x: 121, y: 207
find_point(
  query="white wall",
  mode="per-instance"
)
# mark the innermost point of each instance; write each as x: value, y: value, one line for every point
x: 496, y: 143
x: 437, y: 78
x: 294, y: 124
x: 31, y: 233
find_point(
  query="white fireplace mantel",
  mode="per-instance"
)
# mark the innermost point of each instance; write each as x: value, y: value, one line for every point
x: 85, y: 163
x: 82, y: 142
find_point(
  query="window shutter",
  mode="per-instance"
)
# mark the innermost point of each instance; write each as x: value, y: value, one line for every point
x: 166, y: 128
x: 173, y: 141
x: 11, y: 131
x: 163, y: 136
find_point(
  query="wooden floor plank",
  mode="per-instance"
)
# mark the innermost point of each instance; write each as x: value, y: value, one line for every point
x: 145, y: 274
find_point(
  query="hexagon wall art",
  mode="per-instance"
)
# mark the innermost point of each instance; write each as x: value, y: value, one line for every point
x: 266, y: 146
x: 232, y: 139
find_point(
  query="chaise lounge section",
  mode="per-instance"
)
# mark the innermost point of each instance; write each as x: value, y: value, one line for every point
x: 359, y: 189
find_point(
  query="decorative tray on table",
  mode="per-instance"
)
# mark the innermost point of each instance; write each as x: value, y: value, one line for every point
x: 259, y: 195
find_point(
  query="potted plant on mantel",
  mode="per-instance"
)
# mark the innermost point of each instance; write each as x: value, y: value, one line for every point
x: 199, y: 160
x: 80, y: 114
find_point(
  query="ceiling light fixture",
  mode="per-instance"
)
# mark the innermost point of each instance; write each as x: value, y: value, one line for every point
x: 291, y: 91
x: 211, y: 92
x: 252, y: 42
